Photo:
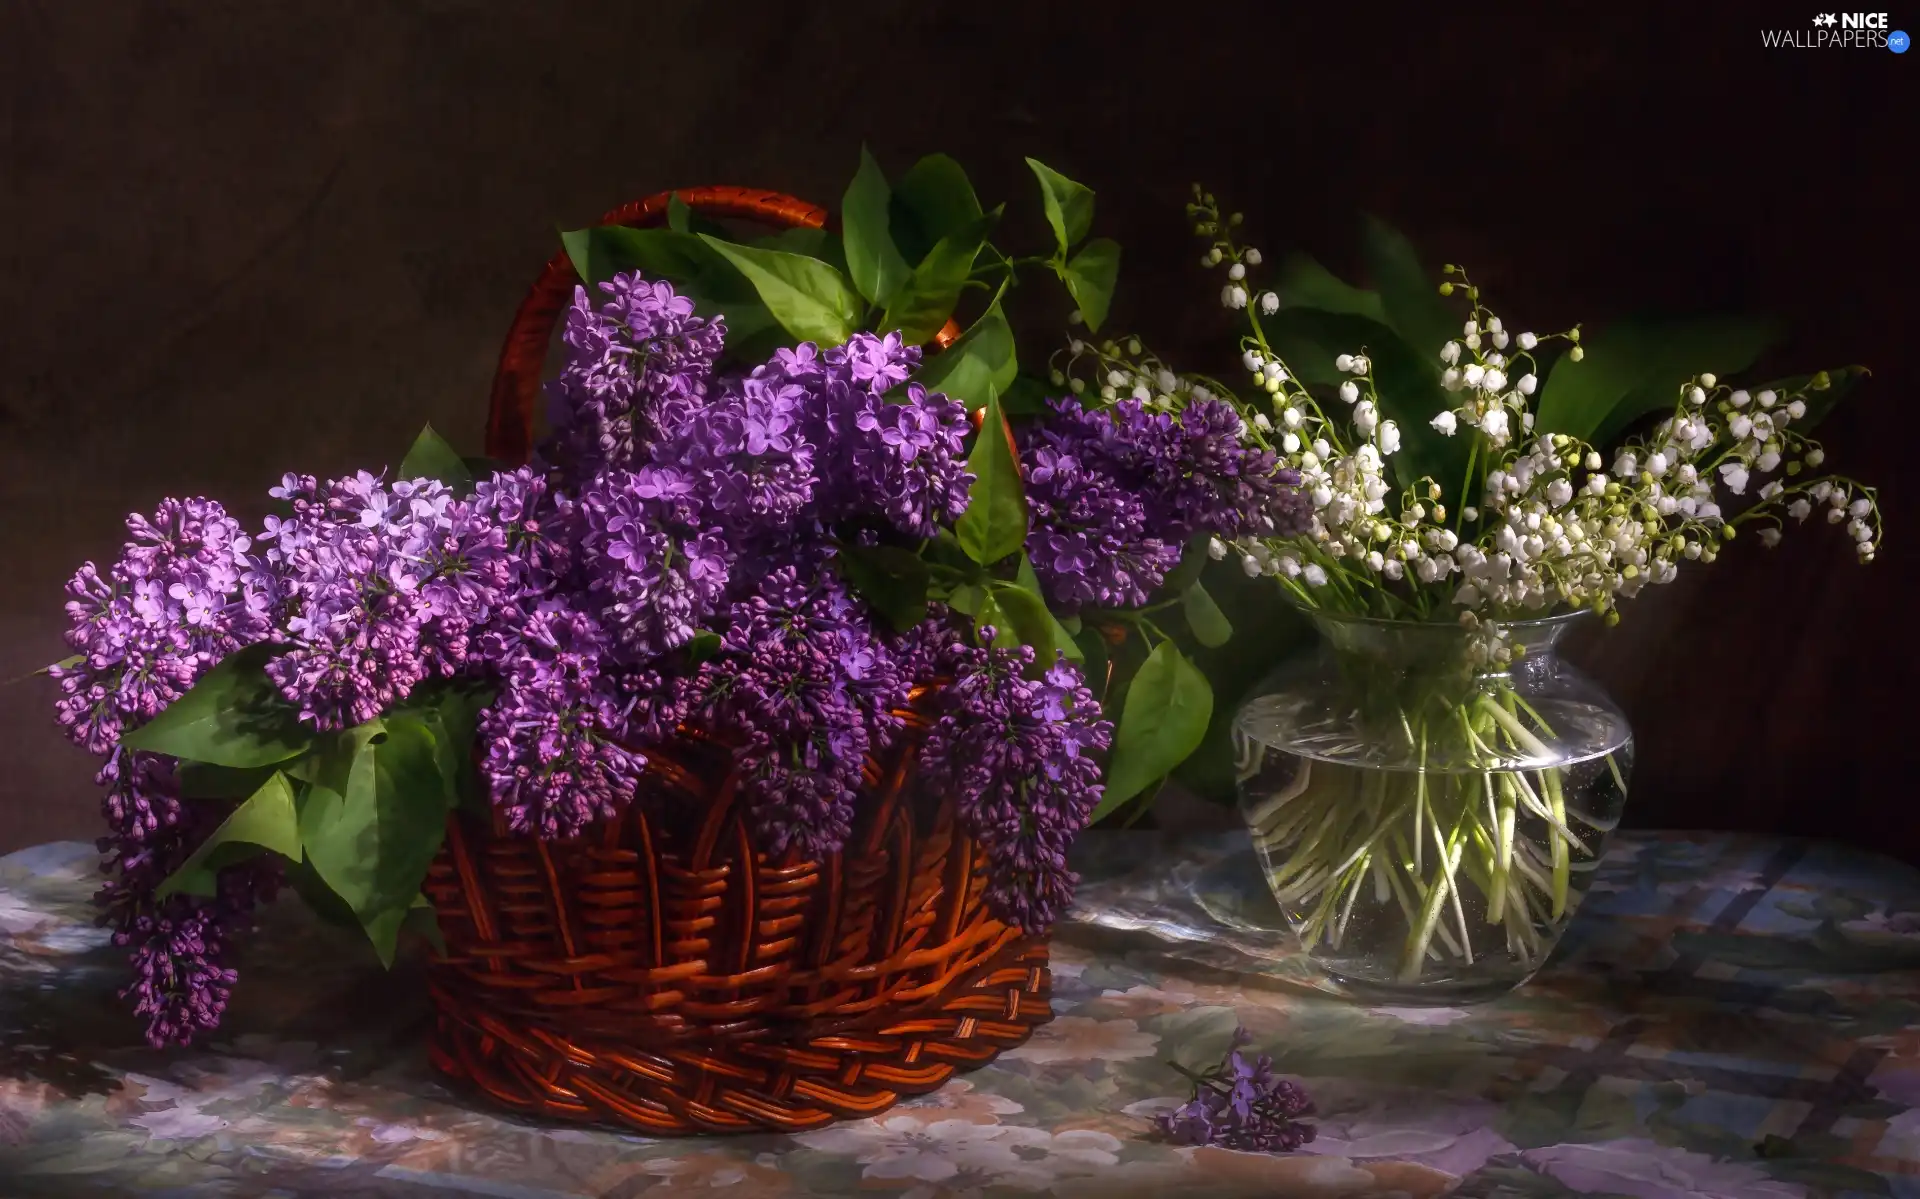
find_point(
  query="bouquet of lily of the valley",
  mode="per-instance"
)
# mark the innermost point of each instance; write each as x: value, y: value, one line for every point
x: 760, y: 514
x: 1458, y: 472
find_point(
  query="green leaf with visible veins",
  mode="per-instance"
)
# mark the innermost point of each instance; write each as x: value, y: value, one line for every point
x: 233, y: 716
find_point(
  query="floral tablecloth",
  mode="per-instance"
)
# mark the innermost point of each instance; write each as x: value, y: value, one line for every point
x: 1730, y: 1016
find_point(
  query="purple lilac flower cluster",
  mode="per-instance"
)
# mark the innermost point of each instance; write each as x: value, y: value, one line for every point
x: 1117, y: 493
x: 186, y: 592
x: 379, y: 586
x: 639, y: 360
x: 1020, y: 754
x: 1241, y: 1104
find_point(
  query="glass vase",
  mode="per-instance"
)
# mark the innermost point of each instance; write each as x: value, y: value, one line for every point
x: 1427, y: 801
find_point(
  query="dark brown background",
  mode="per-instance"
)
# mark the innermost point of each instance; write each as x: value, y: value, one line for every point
x: 241, y: 237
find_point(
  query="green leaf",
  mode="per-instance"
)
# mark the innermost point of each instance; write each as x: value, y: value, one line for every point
x: 995, y: 522
x: 1408, y: 293
x: 1209, y: 624
x: 1033, y: 619
x: 1675, y: 354
x: 234, y: 716
x: 992, y: 614
x: 424, y: 921
x: 927, y: 299
x: 697, y: 272
x: 319, y: 897
x: 968, y: 599
x: 201, y: 781
x: 873, y: 260
x: 450, y: 713
x: 1093, y: 660
x: 810, y: 299
x: 931, y: 201
x: 809, y: 243
x: 1027, y: 395
x: 432, y: 458
x: 266, y: 820
x: 703, y: 645
x: 1069, y: 205
x: 1193, y: 560
x: 980, y: 362
x: 682, y: 219
x: 1090, y: 277
x: 1637, y: 367
x: 66, y: 663
x: 1167, y: 709
x: 373, y: 820
x: 892, y: 580
x: 1304, y: 283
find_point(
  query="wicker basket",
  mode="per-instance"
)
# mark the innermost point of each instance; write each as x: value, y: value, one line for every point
x: 659, y: 973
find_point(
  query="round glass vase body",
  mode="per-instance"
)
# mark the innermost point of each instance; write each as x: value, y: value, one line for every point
x: 1428, y: 801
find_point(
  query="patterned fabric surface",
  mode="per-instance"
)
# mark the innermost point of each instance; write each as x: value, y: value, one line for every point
x: 1729, y: 1017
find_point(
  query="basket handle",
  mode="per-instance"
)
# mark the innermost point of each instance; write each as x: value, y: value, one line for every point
x: 516, y: 381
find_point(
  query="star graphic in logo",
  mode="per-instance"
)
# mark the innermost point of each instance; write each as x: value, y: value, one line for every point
x: 1825, y: 18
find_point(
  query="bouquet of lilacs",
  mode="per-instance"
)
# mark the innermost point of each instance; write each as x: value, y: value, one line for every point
x: 1460, y: 474
x: 776, y: 550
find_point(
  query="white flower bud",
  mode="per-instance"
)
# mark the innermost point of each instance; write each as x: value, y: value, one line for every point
x: 1796, y: 409
x: 1450, y: 353
x: 1322, y: 496
x: 1251, y: 565
x: 1343, y: 363
x: 1528, y: 341
x: 1472, y: 341
x: 1739, y: 399
x: 1233, y: 296
x: 1470, y: 328
x: 1656, y: 464
x: 1708, y: 379
x: 1261, y: 422
x: 1859, y: 531
x: 1768, y: 461
x: 1528, y: 383
x: 1800, y: 509
x: 1860, y: 507
x: 1291, y: 417
x: 1365, y: 418
x: 1740, y: 426
x: 1315, y: 575
x: 1253, y: 360
x: 1269, y: 303
x: 1734, y: 476
x: 1236, y: 272
x: 1451, y: 378
x: 1394, y: 569
x: 1389, y: 438
x: 1698, y: 395
x: 1494, y: 424
x: 1769, y: 537
x: 1216, y: 548
x: 1766, y: 399
x: 1213, y: 256
x: 1360, y: 365
x: 1446, y: 422
x: 1494, y: 380
x: 1251, y: 256
x: 1273, y: 370
x: 1559, y: 493
x: 1836, y: 515
x: 1592, y: 460
x: 1626, y: 466
x: 1349, y: 391
x: 1500, y: 340
x: 1290, y: 443
x: 1816, y: 456
x: 1473, y: 373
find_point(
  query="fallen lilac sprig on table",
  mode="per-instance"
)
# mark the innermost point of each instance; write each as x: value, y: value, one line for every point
x: 1240, y: 1104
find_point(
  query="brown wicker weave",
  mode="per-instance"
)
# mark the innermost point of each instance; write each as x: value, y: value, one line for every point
x: 659, y: 973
